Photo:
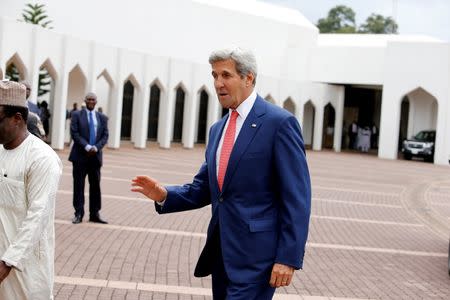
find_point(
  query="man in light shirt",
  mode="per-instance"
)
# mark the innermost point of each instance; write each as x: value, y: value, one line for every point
x: 256, y: 178
x: 29, y: 175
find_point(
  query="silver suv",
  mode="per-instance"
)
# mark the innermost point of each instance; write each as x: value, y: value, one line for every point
x: 420, y: 145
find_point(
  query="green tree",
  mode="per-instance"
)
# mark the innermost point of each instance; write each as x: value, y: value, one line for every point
x: 34, y: 14
x: 12, y: 73
x: 379, y: 24
x: 340, y: 19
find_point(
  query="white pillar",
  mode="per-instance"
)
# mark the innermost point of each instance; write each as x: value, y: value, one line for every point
x: 91, y: 76
x: 142, y: 108
x: 33, y: 71
x: 165, y: 132
x: 59, y: 111
x: 389, y: 125
x: 190, y: 112
x: 441, y: 155
x: 115, y: 117
x: 318, y: 127
x: 213, y: 113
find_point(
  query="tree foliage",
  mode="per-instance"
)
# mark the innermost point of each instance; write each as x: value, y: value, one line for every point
x: 378, y: 24
x: 37, y: 15
x: 341, y: 19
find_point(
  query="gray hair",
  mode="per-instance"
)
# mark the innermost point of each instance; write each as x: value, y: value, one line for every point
x: 90, y: 95
x: 244, y: 59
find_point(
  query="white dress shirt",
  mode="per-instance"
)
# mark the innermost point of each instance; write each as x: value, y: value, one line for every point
x: 243, y: 110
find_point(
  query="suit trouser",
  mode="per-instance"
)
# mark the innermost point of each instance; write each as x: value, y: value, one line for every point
x: 79, y: 171
x: 223, y: 288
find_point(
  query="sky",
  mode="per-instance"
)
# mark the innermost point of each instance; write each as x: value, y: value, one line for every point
x: 424, y: 17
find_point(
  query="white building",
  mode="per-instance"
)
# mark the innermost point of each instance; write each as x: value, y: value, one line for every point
x: 147, y: 62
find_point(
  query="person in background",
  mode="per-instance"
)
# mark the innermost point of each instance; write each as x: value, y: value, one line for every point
x: 89, y: 131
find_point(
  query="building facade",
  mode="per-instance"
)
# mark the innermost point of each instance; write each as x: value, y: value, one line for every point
x: 147, y: 62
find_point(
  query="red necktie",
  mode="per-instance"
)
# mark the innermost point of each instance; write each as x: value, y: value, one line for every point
x: 227, y: 147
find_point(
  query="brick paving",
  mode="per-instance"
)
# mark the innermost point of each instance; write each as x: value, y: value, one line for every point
x: 379, y: 230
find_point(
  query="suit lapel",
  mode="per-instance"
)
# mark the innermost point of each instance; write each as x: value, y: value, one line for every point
x: 249, y: 128
x: 99, y: 123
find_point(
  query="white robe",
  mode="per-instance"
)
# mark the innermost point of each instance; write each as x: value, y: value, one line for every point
x: 29, y: 177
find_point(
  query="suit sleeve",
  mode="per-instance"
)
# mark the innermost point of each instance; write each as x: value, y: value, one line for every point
x: 295, y: 193
x: 75, y: 131
x: 189, y: 196
x: 104, y: 134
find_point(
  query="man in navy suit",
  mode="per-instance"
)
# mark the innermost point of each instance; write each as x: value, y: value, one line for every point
x: 89, y: 131
x: 256, y: 178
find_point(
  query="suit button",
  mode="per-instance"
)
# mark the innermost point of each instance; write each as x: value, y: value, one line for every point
x: 220, y: 199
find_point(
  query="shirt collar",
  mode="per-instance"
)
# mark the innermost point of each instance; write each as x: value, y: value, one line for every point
x: 244, y: 108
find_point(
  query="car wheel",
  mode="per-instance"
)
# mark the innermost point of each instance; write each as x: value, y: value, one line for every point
x: 407, y: 156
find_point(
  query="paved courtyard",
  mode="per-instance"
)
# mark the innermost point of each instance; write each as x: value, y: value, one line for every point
x: 379, y: 230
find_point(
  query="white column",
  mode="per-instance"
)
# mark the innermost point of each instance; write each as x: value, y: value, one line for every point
x: 441, y: 156
x: 143, y: 105
x: 91, y: 76
x: 165, y: 132
x: 389, y: 125
x: 115, y: 117
x: 318, y: 127
x: 2, y: 49
x: 213, y: 113
x: 33, y: 71
x: 59, y: 111
x: 190, y: 112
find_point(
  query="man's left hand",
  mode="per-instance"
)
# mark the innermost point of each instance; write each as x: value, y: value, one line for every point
x: 4, y: 271
x: 281, y: 275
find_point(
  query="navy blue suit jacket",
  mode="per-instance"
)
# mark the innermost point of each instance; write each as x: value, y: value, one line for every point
x: 79, y: 130
x: 264, y: 208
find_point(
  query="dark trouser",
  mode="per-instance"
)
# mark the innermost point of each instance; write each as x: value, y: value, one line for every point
x: 351, y: 143
x: 223, y: 288
x: 92, y: 170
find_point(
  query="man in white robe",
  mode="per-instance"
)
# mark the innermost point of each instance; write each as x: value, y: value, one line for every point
x: 29, y: 177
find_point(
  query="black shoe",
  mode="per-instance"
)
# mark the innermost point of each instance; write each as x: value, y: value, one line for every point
x: 77, y: 219
x: 97, y: 219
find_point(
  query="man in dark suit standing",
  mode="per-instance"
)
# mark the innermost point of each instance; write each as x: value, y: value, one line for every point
x: 256, y: 178
x: 89, y: 131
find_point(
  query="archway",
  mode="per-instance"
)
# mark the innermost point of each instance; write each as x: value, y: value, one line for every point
x: 404, y: 115
x: 46, y: 95
x: 362, y: 106
x: 202, y: 117
x: 289, y: 105
x: 76, y: 91
x: 329, y: 116
x: 127, y: 110
x: 418, y: 112
x: 270, y: 99
x: 153, y: 112
x: 103, y: 89
x: 15, y: 69
x: 308, y: 124
x: 179, y: 114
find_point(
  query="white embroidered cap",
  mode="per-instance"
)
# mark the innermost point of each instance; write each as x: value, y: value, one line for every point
x: 12, y: 93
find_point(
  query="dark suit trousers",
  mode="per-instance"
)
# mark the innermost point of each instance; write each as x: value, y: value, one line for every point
x: 92, y: 170
x: 222, y: 287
